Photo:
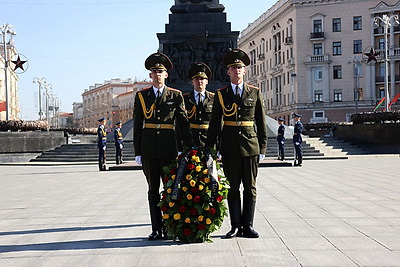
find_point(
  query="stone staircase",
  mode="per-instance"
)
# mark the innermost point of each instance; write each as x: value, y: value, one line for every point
x: 334, y: 147
x: 84, y: 153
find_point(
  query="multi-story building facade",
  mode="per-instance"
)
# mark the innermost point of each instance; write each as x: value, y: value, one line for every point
x: 77, y: 111
x: 110, y: 100
x: 12, y: 84
x: 309, y: 57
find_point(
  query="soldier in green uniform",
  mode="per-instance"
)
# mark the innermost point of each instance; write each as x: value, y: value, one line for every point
x: 238, y: 117
x: 157, y: 110
x: 198, y: 103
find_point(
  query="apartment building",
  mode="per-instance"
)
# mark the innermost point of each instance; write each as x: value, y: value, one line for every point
x: 309, y: 57
x: 112, y: 99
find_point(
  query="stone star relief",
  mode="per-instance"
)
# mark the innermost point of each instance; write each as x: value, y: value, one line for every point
x: 19, y: 64
x: 372, y: 55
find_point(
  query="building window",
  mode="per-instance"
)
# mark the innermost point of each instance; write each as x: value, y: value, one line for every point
x: 337, y: 25
x: 318, y: 114
x: 337, y: 72
x: 317, y: 49
x: 337, y: 48
x: 337, y: 95
x: 317, y: 74
x: 357, y: 23
x: 381, y: 44
x: 359, y: 94
x: 318, y: 96
x: 357, y: 46
x: 317, y: 25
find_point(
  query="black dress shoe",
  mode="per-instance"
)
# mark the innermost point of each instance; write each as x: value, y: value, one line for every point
x: 249, y: 232
x: 155, y: 235
x: 234, y: 232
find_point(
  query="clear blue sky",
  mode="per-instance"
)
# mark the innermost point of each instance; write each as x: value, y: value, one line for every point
x: 77, y: 43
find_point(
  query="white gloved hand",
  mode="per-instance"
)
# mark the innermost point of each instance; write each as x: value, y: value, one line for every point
x: 138, y: 160
x: 121, y: 146
x: 219, y: 156
x: 297, y: 143
x: 104, y: 147
x: 261, y: 157
x: 282, y: 142
x: 179, y: 153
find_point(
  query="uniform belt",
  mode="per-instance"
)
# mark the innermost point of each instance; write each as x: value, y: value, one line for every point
x: 199, y: 126
x: 295, y: 133
x: 104, y: 138
x: 239, y: 123
x: 158, y: 126
x: 280, y: 134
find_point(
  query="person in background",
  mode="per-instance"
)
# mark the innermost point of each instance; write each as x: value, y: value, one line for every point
x: 238, y: 119
x: 297, y: 140
x: 102, y: 143
x: 280, y: 138
x: 158, y: 110
x: 118, y: 139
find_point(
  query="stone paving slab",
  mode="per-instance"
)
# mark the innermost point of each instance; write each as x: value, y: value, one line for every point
x: 326, y: 213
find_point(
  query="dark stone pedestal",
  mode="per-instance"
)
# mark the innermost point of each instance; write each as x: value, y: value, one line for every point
x: 197, y: 32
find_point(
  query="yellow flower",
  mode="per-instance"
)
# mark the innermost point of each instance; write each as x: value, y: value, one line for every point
x: 187, y: 220
x: 165, y: 216
x: 184, y: 189
x: 200, y: 218
x: 189, y: 197
x: 169, y: 190
x: 171, y: 204
x: 173, y: 177
x: 206, y: 180
x: 201, y: 187
x: 208, y: 221
x: 207, y: 208
x: 220, y: 186
x: 177, y: 216
x: 205, y: 171
x: 188, y: 177
x: 197, y: 159
x: 192, y: 183
x: 198, y: 168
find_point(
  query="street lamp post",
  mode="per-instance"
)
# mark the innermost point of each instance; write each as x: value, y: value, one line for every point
x: 386, y: 21
x: 6, y: 29
x: 47, y: 87
x: 356, y: 61
x: 40, y: 81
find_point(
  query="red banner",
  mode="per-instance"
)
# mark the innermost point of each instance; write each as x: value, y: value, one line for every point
x: 3, y: 106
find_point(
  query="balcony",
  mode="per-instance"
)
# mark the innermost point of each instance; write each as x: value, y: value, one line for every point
x: 317, y: 35
x: 318, y: 59
x: 288, y: 40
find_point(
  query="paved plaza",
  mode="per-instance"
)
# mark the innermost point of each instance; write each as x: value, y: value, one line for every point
x: 327, y: 213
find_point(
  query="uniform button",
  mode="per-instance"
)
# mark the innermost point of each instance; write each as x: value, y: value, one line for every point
x: 158, y: 132
x: 239, y: 116
x: 158, y: 110
x: 238, y: 108
x: 240, y: 132
x: 158, y: 118
x: 199, y: 119
x: 200, y: 112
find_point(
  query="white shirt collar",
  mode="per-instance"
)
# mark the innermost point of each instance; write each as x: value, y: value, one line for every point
x: 155, y: 89
x: 234, y: 86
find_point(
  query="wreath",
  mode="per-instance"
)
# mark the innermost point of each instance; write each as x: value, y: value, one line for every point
x: 193, y: 197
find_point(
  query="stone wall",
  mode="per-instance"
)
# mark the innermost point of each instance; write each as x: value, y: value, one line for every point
x: 377, y: 133
x: 30, y: 142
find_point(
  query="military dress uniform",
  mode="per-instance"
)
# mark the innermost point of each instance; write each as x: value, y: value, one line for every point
x: 240, y: 123
x: 102, y: 145
x: 155, y: 119
x: 118, y: 140
x: 198, y: 106
x: 297, y: 140
x: 280, y: 138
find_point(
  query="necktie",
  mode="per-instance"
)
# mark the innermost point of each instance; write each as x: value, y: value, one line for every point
x: 237, y: 90
x: 158, y: 94
x: 200, y: 102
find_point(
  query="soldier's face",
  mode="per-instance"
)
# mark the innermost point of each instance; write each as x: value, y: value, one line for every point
x: 199, y: 84
x: 158, y: 76
x: 236, y: 73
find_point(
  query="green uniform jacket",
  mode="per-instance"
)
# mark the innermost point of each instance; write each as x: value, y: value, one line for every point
x: 242, y: 141
x: 159, y: 143
x: 197, y: 115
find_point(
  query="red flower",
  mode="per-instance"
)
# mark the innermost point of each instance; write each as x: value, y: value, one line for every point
x: 193, y: 211
x: 201, y: 226
x: 212, y: 211
x: 187, y: 232
x: 180, y: 156
x: 190, y: 166
x: 194, y: 190
x: 164, y: 196
x: 197, y: 199
x: 182, y: 209
x: 193, y: 152
x: 164, y: 208
x: 172, y: 171
x: 165, y: 180
x: 219, y: 198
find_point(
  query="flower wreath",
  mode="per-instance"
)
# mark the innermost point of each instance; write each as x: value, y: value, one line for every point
x: 192, y: 199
